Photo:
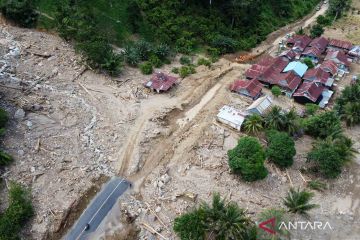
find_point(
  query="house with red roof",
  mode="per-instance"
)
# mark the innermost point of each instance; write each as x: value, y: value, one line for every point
x: 298, y: 43
x: 269, y: 77
x: 318, y: 75
x: 289, y: 54
x: 320, y: 43
x: 340, y: 58
x: 313, y: 53
x: 309, y: 92
x: 330, y: 67
x: 335, y: 44
x: 160, y: 82
x: 288, y: 82
x: 259, y: 68
x: 248, y: 88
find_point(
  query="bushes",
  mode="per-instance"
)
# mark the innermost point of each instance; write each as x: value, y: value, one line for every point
x: 311, y: 109
x: 276, y: 91
x: 5, y: 159
x: 186, y: 71
x: 185, y: 60
x: 323, y: 125
x: 299, y: 201
x: 308, y: 62
x: 347, y: 104
x: 19, y: 211
x: 222, y: 220
x: 205, y: 62
x: 224, y: 44
x: 247, y: 159
x: 146, y: 68
x: 21, y: 12
x: 281, y: 148
x: 316, y: 31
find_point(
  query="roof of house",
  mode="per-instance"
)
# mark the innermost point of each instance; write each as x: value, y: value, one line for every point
x: 339, y: 55
x: 231, y: 114
x: 340, y: 44
x: 299, y: 41
x: 298, y: 67
x: 290, y: 54
x: 312, y: 51
x: 259, y: 68
x: 161, y: 82
x: 310, y: 90
x: 288, y: 80
x: 261, y: 104
x: 320, y: 43
x: 355, y: 51
x: 317, y: 75
x: 329, y: 66
x: 253, y: 87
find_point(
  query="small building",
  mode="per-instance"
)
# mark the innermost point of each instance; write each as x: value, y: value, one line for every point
x: 318, y: 75
x: 325, y: 97
x: 268, y: 78
x: 259, y: 68
x: 289, y: 54
x: 288, y: 82
x: 248, y: 88
x: 354, y: 53
x: 320, y: 43
x: 309, y: 92
x: 312, y: 53
x: 330, y: 67
x: 340, y: 58
x: 260, y: 106
x: 297, y: 67
x: 231, y: 116
x: 298, y: 43
x: 335, y: 44
x: 160, y: 82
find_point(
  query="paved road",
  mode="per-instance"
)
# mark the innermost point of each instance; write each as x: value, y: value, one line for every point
x: 98, y: 209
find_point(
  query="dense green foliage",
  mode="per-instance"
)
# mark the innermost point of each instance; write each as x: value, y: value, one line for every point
x: 19, y: 211
x: 5, y: 159
x: 308, y: 62
x: 338, y: 7
x: 316, y: 31
x: 280, y: 120
x: 186, y: 71
x: 299, y: 201
x: 276, y: 91
x: 330, y: 155
x: 323, y: 125
x: 222, y: 220
x: 205, y: 62
x: 21, y: 12
x: 247, y: 159
x: 146, y: 68
x: 281, y: 148
x: 311, y: 109
x: 348, y: 104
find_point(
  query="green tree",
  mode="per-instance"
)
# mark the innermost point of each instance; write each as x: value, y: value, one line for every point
x: 299, y: 201
x: 291, y: 122
x: 247, y: 159
x: 347, y: 104
x: 253, y: 124
x: 281, y: 148
x: 311, y: 109
x: 316, y: 31
x: 338, y: 7
x: 308, y: 62
x: 276, y: 91
x: 323, y: 125
x: 275, y: 118
x: 222, y: 220
x: 21, y: 12
x: 146, y: 68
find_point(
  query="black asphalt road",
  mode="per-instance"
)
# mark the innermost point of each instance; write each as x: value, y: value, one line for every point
x: 98, y: 209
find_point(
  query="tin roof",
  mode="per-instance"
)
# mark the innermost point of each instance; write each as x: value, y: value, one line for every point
x: 261, y: 104
x: 312, y: 51
x: 253, y: 87
x: 288, y: 80
x: 320, y: 43
x: 340, y: 44
x: 161, y: 82
x: 231, y: 114
x: 298, y: 67
x: 317, y: 75
x: 338, y: 55
x: 310, y: 90
x: 329, y: 66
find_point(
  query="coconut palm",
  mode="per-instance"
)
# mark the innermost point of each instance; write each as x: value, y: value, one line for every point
x: 351, y: 113
x: 275, y: 119
x: 253, y: 124
x: 342, y: 144
x: 226, y: 220
x: 299, y: 201
x: 292, y: 122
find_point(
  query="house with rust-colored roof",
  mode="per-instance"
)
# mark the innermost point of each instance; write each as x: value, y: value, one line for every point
x: 289, y: 54
x: 298, y: 43
x: 288, y: 82
x: 320, y: 43
x: 309, y: 92
x: 335, y: 44
x: 160, y: 82
x: 318, y: 75
x: 248, y: 88
x: 330, y: 67
x: 269, y: 77
x: 259, y: 68
x: 313, y: 53
x: 340, y: 58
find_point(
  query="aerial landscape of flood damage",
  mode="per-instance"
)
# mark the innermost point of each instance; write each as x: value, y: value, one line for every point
x: 174, y: 119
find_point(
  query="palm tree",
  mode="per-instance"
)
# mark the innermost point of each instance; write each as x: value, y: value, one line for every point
x: 298, y: 201
x: 226, y: 220
x: 275, y: 118
x: 351, y: 113
x: 292, y: 122
x: 253, y: 124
